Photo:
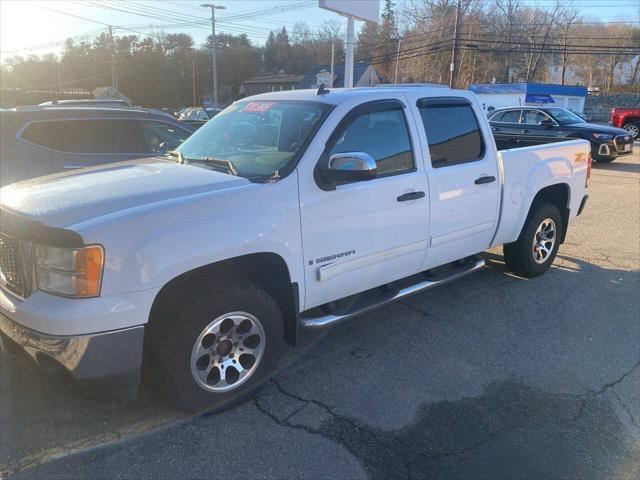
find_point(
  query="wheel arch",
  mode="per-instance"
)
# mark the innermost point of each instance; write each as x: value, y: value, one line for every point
x: 267, y: 270
x: 558, y: 194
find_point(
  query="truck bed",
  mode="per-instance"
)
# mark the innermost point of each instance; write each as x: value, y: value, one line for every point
x: 541, y: 166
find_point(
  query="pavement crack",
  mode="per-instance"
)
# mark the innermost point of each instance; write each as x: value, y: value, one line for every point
x: 626, y: 409
x: 331, y: 435
x: 620, y: 379
x: 591, y: 394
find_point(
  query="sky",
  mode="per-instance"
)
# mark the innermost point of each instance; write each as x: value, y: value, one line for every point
x: 41, y: 26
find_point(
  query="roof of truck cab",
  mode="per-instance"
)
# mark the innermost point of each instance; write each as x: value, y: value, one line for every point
x: 335, y: 96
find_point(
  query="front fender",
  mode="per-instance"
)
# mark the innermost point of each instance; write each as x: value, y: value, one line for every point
x: 147, y: 250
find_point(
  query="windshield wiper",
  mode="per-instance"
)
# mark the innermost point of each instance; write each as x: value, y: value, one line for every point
x: 228, y: 166
x: 219, y: 161
x: 175, y: 153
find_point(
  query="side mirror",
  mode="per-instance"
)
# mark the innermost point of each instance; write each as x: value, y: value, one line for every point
x: 349, y: 167
x: 547, y: 123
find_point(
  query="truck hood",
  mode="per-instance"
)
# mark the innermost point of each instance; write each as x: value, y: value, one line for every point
x: 68, y: 199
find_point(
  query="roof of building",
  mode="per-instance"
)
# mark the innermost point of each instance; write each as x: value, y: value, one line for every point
x: 269, y: 79
x: 531, y: 88
x: 310, y: 79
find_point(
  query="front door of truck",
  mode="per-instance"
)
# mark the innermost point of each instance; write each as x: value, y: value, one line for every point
x: 463, y: 178
x: 362, y: 234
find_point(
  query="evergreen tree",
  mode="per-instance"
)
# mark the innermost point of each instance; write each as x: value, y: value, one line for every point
x: 269, y: 52
x: 386, y: 48
x: 367, y: 41
x: 282, y: 49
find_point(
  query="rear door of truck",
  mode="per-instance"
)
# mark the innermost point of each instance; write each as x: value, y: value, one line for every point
x: 461, y: 164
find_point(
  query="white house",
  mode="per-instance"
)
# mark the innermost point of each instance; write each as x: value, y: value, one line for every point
x: 498, y: 95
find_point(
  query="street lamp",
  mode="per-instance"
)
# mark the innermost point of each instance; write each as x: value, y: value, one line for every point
x: 213, y: 48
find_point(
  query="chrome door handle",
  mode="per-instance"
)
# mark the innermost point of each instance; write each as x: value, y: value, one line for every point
x: 71, y: 166
x: 410, y: 196
x: 484, y: 179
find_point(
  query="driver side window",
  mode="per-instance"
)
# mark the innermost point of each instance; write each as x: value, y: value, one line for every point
x: 382, y: 134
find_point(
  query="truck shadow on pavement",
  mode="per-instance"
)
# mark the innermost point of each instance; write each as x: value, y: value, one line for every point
x: 455, y: 392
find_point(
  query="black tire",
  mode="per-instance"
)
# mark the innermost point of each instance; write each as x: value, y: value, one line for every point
x: 519, y: 255
x: 177, y: 319
x: 626, y: 126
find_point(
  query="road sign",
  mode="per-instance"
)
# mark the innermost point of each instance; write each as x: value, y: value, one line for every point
x: 367, y: 10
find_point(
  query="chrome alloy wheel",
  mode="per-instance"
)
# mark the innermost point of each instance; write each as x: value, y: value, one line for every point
x: 544, y: 240
x: 633, y: 129
x: 227, y: 352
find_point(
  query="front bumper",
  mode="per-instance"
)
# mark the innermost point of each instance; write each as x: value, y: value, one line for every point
x: 113, y: 354
x: 616, y: 147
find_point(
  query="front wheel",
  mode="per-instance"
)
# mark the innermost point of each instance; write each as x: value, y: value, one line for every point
x: 212, y: 345
x: 535, y: 249
x: 633, y: 128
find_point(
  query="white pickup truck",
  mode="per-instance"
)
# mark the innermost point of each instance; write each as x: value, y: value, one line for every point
x: 288, y: 210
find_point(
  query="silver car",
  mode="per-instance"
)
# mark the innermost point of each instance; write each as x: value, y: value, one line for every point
x: 43, y: 139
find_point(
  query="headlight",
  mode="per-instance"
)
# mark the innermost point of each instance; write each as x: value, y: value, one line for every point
x: 70, y: 272
x: 602, y: 136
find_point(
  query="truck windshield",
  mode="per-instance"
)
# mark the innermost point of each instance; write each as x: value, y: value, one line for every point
x: 564, y: 117
x: 259, y: 138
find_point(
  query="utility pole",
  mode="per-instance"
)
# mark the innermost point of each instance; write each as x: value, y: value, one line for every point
x: 454, y: 52
x: 213, y: 48
x: 193, y: 83
x: 395, y: 77
x: 332, y: 58
x: 348, y: 56
x: 59, y: 78
x: 114, y: 75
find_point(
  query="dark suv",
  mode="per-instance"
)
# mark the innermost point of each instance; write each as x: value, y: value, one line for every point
x: 40, y: 140
x: 525, y: 126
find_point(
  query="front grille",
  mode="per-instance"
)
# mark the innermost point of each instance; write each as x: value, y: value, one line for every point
x: 621, y: 140
x: 12, y: 274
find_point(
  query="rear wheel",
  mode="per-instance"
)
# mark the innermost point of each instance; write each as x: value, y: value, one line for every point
x: 633, y: 128
x: 535, y: 249
x: 213, y: 349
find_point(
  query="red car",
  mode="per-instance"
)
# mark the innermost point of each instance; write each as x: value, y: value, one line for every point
x: 627, y: 118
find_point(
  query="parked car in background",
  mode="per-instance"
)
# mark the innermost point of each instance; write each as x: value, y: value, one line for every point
x: 43, y: 139
x: 524, y: 126
x: 87, y: 103
x: 627, y: 118
x: 198, y: 116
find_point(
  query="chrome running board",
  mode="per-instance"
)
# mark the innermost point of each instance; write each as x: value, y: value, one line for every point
x: 467, y: 266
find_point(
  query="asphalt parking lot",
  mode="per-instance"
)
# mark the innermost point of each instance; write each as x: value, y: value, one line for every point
x: 493, y: 376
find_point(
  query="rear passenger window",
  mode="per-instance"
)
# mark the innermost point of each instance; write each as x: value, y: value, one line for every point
x: 452, y: 132
x: 44, y: 134
x: 102, y: 136
x: 511, y: 116
x: 382, y: 133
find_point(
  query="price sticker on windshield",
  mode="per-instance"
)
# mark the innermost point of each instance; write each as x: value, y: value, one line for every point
x: 257, y: 107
